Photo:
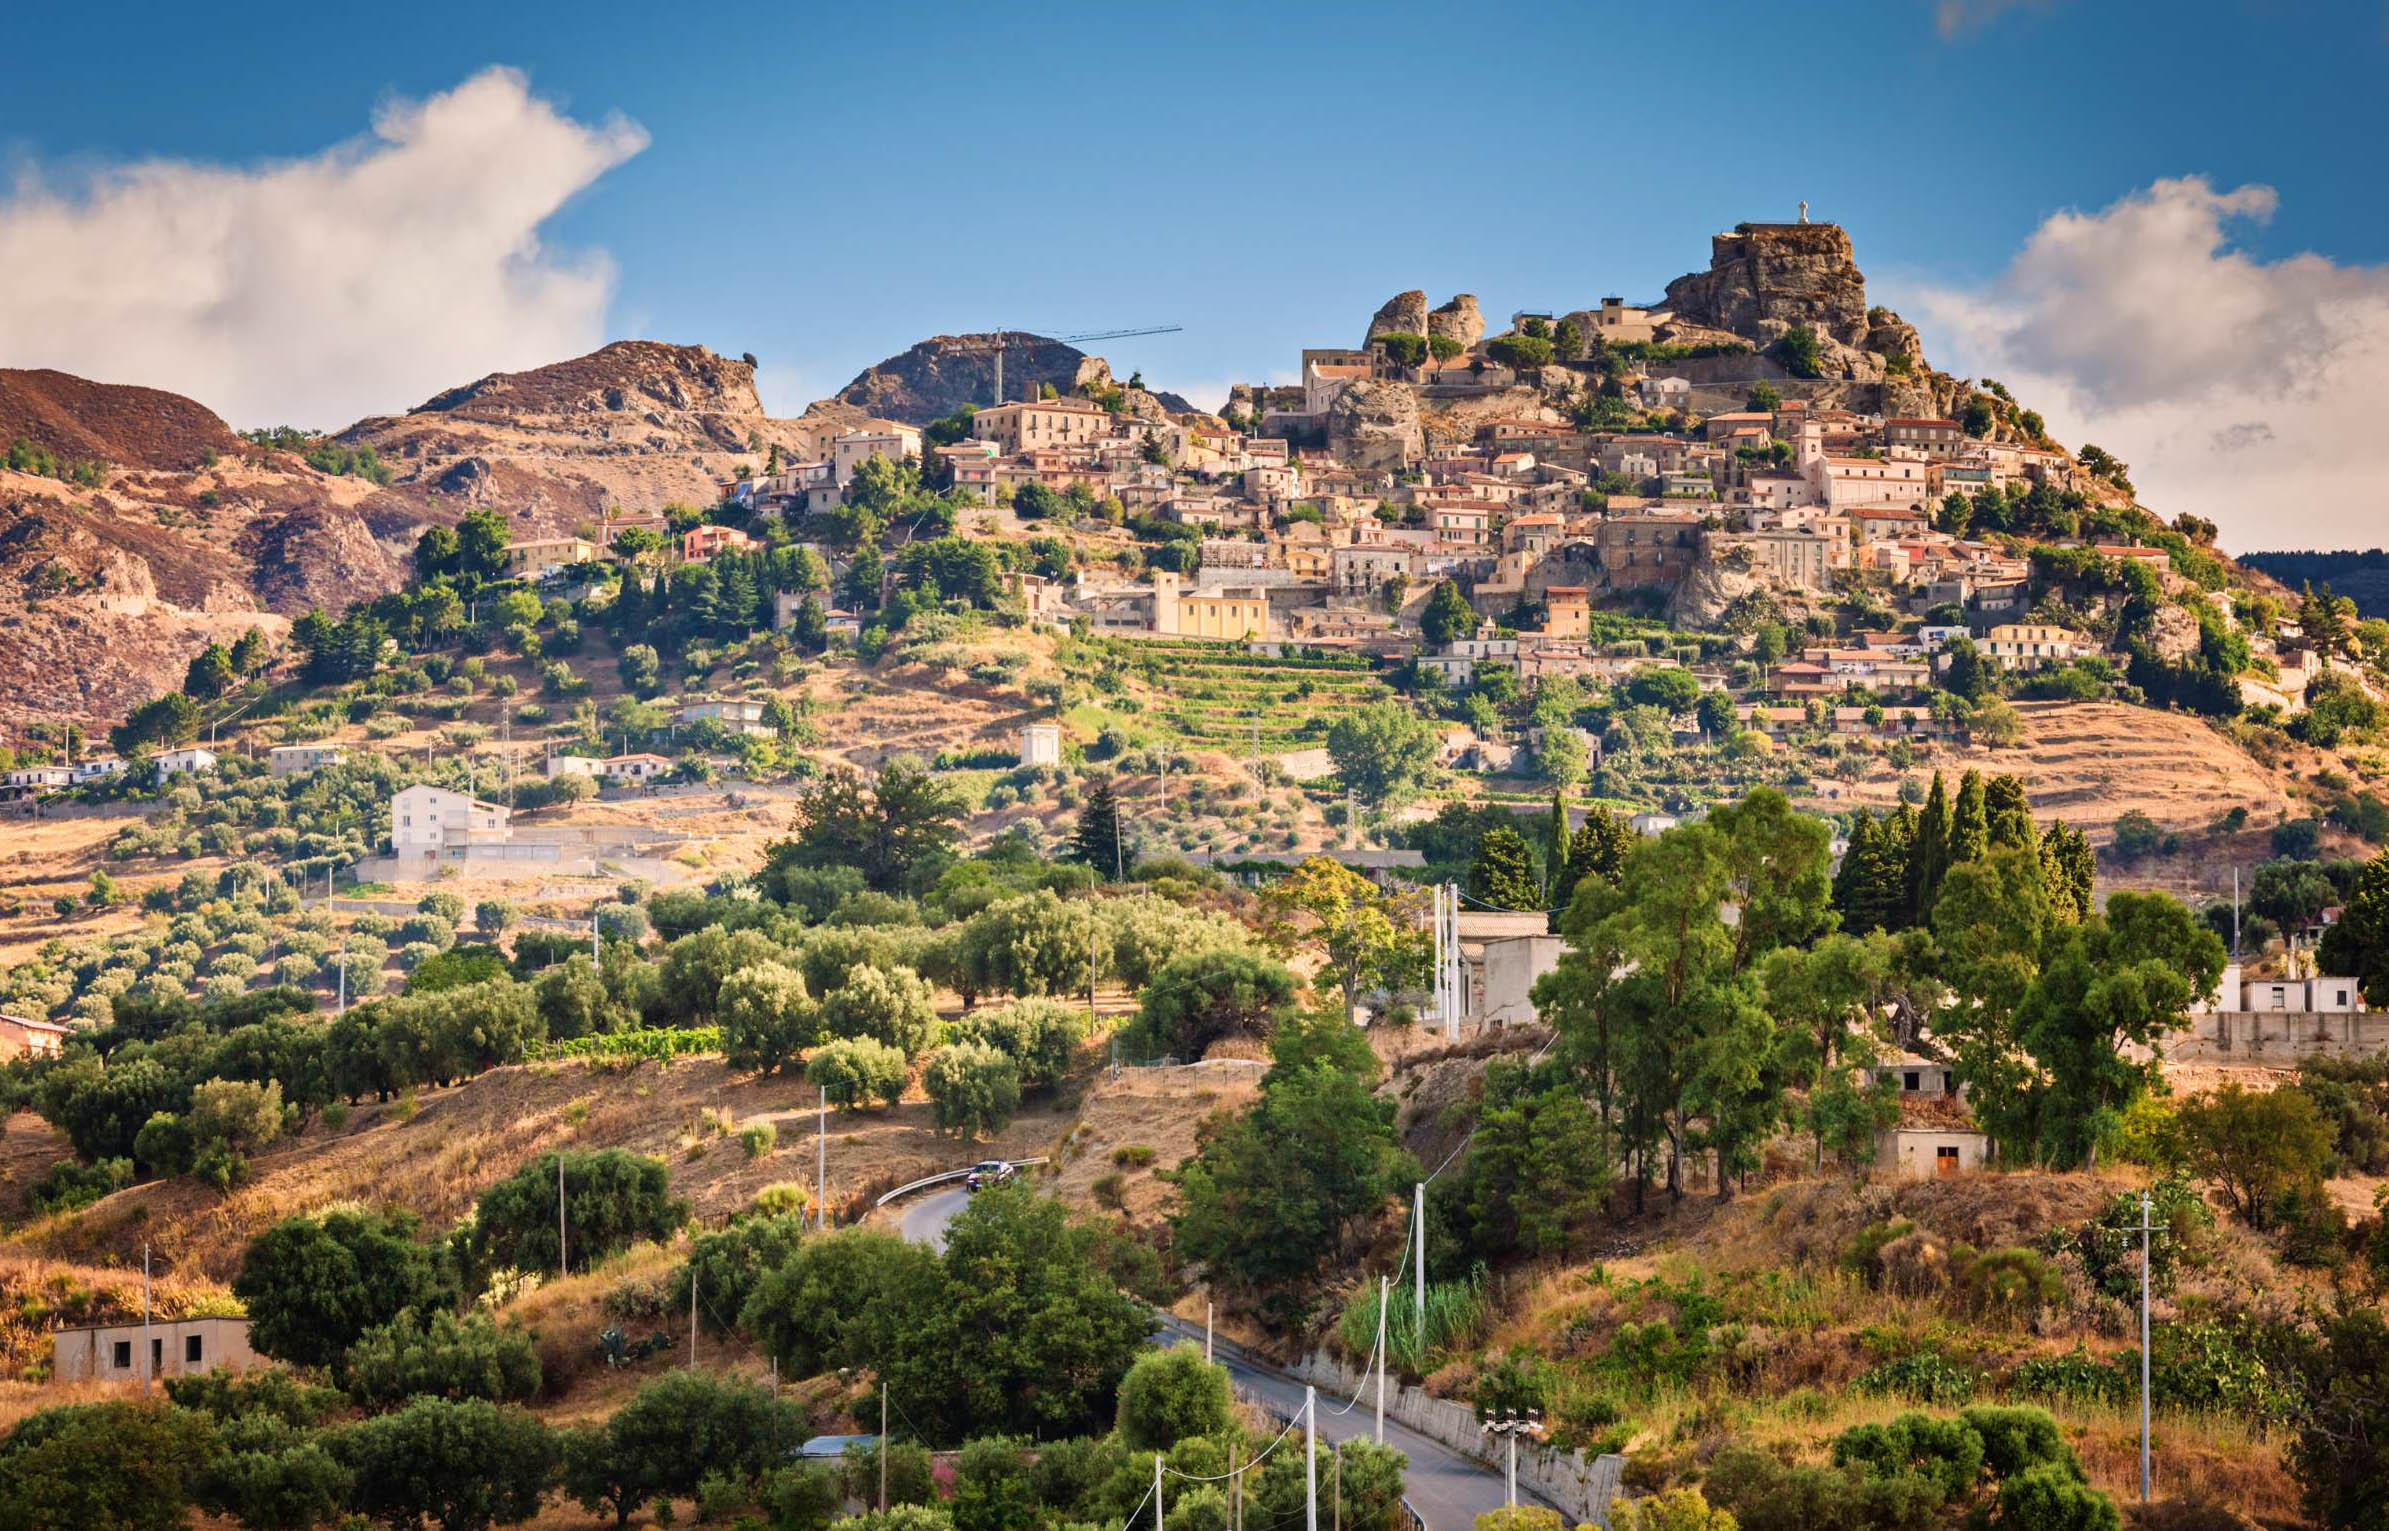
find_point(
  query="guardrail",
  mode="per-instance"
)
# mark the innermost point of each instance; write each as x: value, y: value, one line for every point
x: 942, y: 1176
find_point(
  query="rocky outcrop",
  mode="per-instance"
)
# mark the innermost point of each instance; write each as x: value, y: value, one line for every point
x: 638, y: 424
x: 1891, y: 337
x: 1374, y: 427
x: 1765, y: 278
x: 945, y: 372
x: 1458, y: 320
x: 2173, y: 633
x: 1405, y: 313
x: 1713, y: 587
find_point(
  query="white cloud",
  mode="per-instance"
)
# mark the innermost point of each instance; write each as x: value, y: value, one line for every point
x: 2243, y: 390
x: 1955, y: 17
x: 359, y: 280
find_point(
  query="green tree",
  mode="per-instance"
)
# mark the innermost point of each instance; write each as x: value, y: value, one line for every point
x: 1800, y: 352
x: 1928, y: 854
x: 1503, y: 874
x: 1970, y: 820
x: 1367, y: 938
x: 1670, y: 688
x: 1171, y: 1395
x: 441, y: 1356
x: 2125, y: 976
x: 1763, y: 397
x: 313, y: 1287
x: 612, y: 1199
x: 767, y: 1018
x: 1538, y: 1171
x: 210, y: 675
x: 1097, y: 842
x: 890, y: 1005
x: 2358, y: 944
x: 730, y: 1264
x: 973, y: 1089
x: 1597, y: 850
x: 2341, y: 1453
x: 886, y: 829
x: 2256, y: 1146
x: 461, y: 1466
x: 1966, y: 675
x: 854, y: 1071
x: 675, y: 1431
x: 1383, y: 751
x: 1447, y: 615
x: 103, y: 1467
x: 1206, y: 997
x: 1276, y: 1192
x: 1029, y: 1335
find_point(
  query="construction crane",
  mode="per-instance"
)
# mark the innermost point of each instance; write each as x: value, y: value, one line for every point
x: 997, y: 343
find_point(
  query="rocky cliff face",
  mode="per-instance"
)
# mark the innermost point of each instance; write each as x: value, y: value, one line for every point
x: 945, y: 372
x: 638, y: 424
x: 1405, y: 313
x: 1765, y: 278
x: 1374, y: 427
x: 192, y: 537
x: 1458, y: 320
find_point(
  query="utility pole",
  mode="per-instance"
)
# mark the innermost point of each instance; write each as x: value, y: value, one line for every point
x: 1509, y: 1427
x: 562, y: 1266
x: 692, y: 1315
x: 343, y: 1010
x: 1384, y: 1296
x: 1418, y: 1228
x: 1206, y: 1331
x: 1337, y: 1497
x: 821, y: 1169
x: 1119, y: 868
x: 1310, y: 1459
x: 2144, y: 1253
x: 1235, y: 1485
x: 1157, y: 1491
x: 1092, y: 929
x: 146, y: 1341
x: 883, y: 1447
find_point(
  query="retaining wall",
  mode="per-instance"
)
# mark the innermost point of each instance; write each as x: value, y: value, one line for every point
x: 1581, y: 1486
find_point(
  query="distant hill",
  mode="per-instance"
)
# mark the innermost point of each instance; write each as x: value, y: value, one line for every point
x: 2363, y: 577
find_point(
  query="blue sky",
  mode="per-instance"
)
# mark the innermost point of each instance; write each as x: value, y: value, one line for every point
x: 822, y: 186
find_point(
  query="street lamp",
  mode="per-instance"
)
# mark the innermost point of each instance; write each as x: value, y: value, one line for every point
x: 1509, y: 1427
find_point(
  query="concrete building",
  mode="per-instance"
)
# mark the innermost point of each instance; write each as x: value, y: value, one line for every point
x: 540, y: 557
x: 1926, y: 1153
x: 22, y: 1036
x: 189, y: 758
x: 735, y: 717
x: 635, y: 768
x: 178, y: 1347
x: 293, y: 759
x: 1041, y: 744
x: 433, y: 824
x: 572, y: 765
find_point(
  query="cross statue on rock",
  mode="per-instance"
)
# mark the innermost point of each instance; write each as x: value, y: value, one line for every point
x: 1804, y: 212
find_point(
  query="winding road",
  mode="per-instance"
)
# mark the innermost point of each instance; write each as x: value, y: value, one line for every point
x: 1448, y: 1490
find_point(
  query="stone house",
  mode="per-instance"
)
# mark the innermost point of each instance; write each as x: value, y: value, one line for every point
x: 177, y: 1347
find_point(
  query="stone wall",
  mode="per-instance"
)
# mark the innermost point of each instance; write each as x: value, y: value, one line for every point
x: 2278, y: 1036
x: 1581, y: 1486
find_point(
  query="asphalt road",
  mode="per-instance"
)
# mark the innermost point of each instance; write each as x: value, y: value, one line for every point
x: 1448, y: 1490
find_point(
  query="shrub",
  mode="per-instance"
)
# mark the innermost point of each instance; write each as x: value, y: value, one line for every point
x: 757, y: 1139
x: 855, y: 1071
x: 1172, y: 1395
x: 973, y: 1089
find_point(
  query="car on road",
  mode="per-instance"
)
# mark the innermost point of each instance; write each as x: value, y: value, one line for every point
x: 989, y: 1172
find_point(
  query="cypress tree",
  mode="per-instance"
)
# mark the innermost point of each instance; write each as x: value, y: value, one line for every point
x: 1928, y: 854
x: 1503, y: 873
x: 2010, y: 812
x: 1555, y: 851
x: 1970, y: 821
x: 1097, y: 842
x: 1598, y: 848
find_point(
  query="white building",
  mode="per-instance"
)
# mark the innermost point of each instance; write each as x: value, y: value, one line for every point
x: 1925, y: 1153
x: 572, y: 765
x: 189, y: 758
x: 93, y: 770
x: 635, y: 768
x: 291, y: 759
x: 430, y: 822
x: 1041, y: 744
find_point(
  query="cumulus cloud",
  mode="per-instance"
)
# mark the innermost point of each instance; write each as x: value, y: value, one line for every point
x: 2241, y: 389
x: 359, y: 280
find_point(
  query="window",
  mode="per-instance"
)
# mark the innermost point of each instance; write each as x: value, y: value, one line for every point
x: 1912, y: 1080
x: 157, y: 1356
x: 191, y: 1350
x: 123, y: 1357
